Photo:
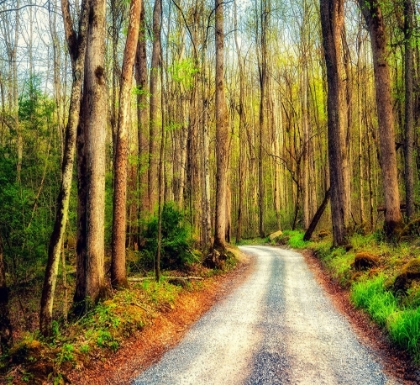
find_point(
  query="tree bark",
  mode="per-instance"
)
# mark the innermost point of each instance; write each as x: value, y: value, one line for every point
x: 409, y: 109
x: 332, y: 21
x: 241, y: 130
x: 142, y: 114
x: 373, y: 15
x: 90, y: 283
x: 77, y: 47
x: 222, y: 133
x: 154, y: 101
x: 118, y: 269
x: 317, y: 217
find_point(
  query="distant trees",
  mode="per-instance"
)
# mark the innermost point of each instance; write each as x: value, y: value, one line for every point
x: 242, y: 116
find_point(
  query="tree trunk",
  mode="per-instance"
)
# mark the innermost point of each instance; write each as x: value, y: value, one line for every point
x: 118, y: 269
x: 6, y: 336
x: 264, y: 12
x: 332, y: 19
x: 222, y: 133
x: 142, y: 116
x: 90, y: 283
x: 77, y: 47
x: 409, y: 110
x: 154, y: 101
x: 241, y: 129
x: 317, y: 217
x: 374, y: 20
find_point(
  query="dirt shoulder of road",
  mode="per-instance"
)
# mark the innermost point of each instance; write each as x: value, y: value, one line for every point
x: 147, y: 346
x: 396, y: 363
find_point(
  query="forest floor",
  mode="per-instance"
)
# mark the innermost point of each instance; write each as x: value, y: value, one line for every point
x: 147, y: 346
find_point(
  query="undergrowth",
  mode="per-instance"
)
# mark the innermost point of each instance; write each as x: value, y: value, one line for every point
x: 372, y: 289
x: 100, y: 332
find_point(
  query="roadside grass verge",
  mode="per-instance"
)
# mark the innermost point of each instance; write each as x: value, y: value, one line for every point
x: 373, y: 288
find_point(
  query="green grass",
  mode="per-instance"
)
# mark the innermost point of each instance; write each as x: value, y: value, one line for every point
x: 296, y: 239
x: 371, y: 290
x: 252, y: 241
x: 371, y: 296
x: 404, y: 329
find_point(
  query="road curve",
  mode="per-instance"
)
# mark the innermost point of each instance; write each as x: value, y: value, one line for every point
x: 278, y: 327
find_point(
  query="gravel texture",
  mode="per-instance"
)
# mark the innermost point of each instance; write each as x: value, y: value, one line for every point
x: 278, y: 327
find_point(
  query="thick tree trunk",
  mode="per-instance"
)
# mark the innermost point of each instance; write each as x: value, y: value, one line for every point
x: 409, y: 109
x: 90, y: 283
x: 118, y: 269
x: 332, y: 19
x: 77, y: 48
x: 154, y: 104
x: 6, y: 336
x: 374, y: 19
x: 222, y: 133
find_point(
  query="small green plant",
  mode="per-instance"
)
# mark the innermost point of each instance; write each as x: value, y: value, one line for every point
x: 104, y: 338
x: 176, y: 241
x: 85, y: 349
x: 66, y: 353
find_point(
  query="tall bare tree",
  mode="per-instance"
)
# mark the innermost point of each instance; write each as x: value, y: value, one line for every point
x: 222, y: 132
x: 76, y: 43
x: 372, y: 13
x: 154, y: 103
x: 332, y: 21
x: 118, y: 269
x: 409, y: 107
x: 142, y: 111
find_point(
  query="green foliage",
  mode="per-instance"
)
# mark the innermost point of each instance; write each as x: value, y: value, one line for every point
x: 67, y: 353
x: 183, y: 72
x: 176, y: 241
x: 295, y: 239
x: 404, y: 329
x: 27, y: 200
x: 24, y: 234
x: 371, y: 295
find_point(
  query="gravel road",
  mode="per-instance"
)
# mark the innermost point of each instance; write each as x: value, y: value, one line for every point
x: 278, y: 327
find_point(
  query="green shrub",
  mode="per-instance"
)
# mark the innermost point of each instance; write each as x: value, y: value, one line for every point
x: 176, y: 241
